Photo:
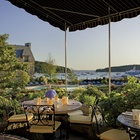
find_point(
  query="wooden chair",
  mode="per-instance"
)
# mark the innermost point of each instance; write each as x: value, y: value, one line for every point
x: 102, y: 133
x: 44, y: 122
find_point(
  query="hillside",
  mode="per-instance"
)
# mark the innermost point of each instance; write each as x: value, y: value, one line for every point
x: 60, y: 69
x: 39, y: 67
x: 119, y: 68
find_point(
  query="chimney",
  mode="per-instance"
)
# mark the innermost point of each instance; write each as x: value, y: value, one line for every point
x: 28, y: 45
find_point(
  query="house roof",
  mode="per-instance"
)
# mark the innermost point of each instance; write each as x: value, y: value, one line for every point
x: 24, y: 51
x: 80, y: 14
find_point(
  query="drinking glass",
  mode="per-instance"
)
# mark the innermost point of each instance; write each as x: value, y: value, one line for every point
x: 39, y: 100
x: 50, y: 101
x: 56, y: 98
x: 64, y: 100
x: 136, y: 116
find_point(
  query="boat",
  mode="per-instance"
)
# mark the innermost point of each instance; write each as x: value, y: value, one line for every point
x: 133, y: 72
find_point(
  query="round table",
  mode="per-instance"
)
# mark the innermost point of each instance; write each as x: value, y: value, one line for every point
x: 127, y: 121
x: 59, y: 109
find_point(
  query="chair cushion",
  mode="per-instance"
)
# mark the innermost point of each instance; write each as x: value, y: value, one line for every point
x: 43, y: 128
x: 20, y: 117
x: 114, y: 134
x: 77, y: 112
x: 80, y: 119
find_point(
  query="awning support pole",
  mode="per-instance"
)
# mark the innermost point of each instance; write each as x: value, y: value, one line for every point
x: 65, y: 60
x: 109, y: 51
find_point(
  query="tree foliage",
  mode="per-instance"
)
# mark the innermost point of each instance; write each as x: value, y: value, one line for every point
x: 13, y: 73
x: 50, y: 68
x: 124, y: 100
x: 39, y: 67
x: 72, y: 77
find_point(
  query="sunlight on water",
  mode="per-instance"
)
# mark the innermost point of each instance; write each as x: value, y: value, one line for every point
x: 69, y: 87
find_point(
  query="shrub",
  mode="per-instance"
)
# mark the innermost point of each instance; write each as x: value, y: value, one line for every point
x: 60, y: 91
x: 76, y: 93
x: 9, y: 106
x: 94, y: 91
x: 112, y: 106
x: 87, y: 100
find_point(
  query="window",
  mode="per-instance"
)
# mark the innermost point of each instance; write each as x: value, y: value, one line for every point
x: 26, y: 59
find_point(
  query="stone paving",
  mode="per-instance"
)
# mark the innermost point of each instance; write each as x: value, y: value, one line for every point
x: 73, y: 135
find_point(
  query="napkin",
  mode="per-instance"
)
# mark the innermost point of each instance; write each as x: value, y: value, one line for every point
x: 127, y: 113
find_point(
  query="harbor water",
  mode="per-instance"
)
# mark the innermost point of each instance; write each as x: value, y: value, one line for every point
x: 88, y: 74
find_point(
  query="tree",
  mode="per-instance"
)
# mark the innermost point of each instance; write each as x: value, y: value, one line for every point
x: 50, y: 67
x: 12, y: 71
x: 132, y: 84
x: 20, y: 80
x: 72, y: 77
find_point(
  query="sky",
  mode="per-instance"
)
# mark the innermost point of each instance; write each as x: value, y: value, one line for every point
x: 86, y: 49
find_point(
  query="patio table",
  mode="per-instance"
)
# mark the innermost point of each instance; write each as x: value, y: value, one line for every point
x: 59, y: 109
x: 126, y: 119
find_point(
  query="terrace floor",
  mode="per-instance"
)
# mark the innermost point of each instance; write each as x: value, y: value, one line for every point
x: 74, y: 134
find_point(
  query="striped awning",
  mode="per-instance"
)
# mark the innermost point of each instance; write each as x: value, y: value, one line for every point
x: 80, y: 14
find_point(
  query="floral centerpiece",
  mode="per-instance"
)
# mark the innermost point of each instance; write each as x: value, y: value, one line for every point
x: 50, y: 93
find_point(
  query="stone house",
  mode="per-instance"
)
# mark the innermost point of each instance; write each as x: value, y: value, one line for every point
x: 24, y: 54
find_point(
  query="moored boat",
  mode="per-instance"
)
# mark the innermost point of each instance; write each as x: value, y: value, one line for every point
x: 133, y: 72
